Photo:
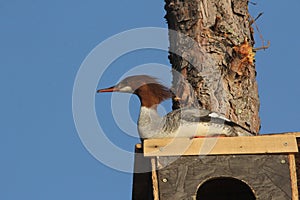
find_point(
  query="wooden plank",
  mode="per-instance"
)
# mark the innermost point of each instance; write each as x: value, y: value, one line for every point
x: 297, y: 160
x: 221, y: 145
x: 297, y: 134
x: 154, y: 180
x: 293, y: 175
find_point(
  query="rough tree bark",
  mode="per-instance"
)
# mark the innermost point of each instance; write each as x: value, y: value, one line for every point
x: 220, y: 67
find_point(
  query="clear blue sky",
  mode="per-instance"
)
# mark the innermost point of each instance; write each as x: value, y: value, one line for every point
x: 42, y: 46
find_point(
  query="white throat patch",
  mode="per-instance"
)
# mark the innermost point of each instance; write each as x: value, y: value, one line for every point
x: 126, y: 89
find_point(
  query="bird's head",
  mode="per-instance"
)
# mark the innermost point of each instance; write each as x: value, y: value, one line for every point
x: 147, y: 88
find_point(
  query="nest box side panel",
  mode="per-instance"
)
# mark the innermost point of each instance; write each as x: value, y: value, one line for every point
x: 142, y: 183
x: 267, y: 175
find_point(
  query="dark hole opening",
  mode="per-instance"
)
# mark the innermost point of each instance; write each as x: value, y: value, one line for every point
x: 225, y: 189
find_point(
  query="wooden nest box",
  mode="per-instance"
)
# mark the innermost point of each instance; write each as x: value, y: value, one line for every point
x: 233, y: 168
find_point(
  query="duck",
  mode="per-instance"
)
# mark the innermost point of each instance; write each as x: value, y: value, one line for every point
x: 184, y: 122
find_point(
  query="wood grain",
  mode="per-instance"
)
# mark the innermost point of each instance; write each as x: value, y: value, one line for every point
x: 293, y: 175
x: 221, y: 145
x: 154, y: 180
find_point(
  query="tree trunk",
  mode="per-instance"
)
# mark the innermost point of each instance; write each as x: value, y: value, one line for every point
x: 219, y: 69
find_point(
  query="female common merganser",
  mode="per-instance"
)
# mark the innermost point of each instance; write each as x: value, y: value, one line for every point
x: 184, y: 122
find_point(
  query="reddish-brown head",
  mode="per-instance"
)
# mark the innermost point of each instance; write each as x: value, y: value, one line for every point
x: 148, y: 89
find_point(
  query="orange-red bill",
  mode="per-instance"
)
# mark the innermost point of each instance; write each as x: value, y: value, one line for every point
x: 110, y: 89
